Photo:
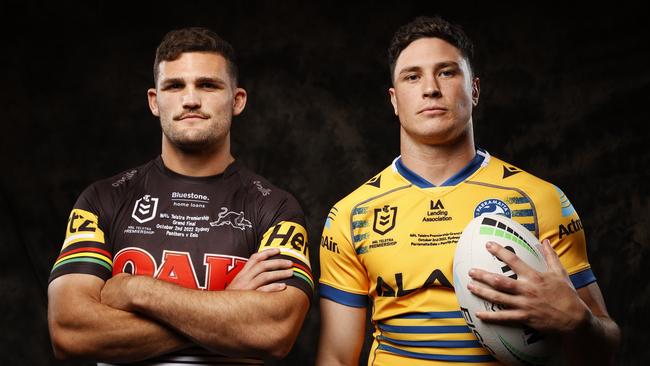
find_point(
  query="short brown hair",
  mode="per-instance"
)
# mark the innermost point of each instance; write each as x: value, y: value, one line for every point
x: 425, y: 27
x: 194, y: 39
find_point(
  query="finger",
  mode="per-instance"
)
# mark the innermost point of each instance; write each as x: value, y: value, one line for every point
x: 266, y: 266
x: 506, y: 316
x: 552, y: 260
x: 271, y: 277
x: 258, y: 257
x: 492, y: 295
x: 264, y: 255
x: 272, y: 287
x: 496, y: 281
x: 511, y: 259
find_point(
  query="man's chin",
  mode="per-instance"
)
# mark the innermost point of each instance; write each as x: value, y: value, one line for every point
x: 195, y: 146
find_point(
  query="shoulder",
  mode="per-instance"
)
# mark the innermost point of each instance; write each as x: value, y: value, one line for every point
x: 258, y: 186
x: 107, y: 190
x: 382, y: 184
x: 546, y: 199
x: 509, y: 175
x: 271, y: 202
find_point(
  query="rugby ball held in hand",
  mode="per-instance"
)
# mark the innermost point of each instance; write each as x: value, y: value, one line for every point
x: 510, y: 344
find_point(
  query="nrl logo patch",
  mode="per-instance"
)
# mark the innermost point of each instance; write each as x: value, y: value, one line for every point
x: 145, y: 209
x: 385, y: 218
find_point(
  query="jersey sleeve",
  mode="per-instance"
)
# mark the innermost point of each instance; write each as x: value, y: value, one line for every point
x: 560, y: 223
x: 84, y: 248
x: 285, y: 229
x: 343, y: 278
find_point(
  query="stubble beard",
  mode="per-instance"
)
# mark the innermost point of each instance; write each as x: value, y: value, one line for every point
x: 196, y: 140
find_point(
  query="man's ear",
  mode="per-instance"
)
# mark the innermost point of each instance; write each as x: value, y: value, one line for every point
x: 239, y: 101
x: 393, y: 100
x: 476, y: 90
x: 152, y: 97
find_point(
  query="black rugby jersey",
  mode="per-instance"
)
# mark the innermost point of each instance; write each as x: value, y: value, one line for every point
x: 197, y: 232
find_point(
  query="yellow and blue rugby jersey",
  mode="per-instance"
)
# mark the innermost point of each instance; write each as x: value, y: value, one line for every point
x: 392, y: 242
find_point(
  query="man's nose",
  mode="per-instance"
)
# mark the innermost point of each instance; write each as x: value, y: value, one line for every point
x: 191, y: 99
x: 431, y: 88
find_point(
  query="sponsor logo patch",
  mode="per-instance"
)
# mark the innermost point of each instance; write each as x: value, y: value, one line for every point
x: 82, y: 226
x: 571, y: 228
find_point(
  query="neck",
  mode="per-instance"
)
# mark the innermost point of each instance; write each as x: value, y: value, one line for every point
x: 201, y: 163
x: 437, y: 162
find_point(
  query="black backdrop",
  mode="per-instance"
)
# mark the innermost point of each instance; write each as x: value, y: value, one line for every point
x: 564, y: 95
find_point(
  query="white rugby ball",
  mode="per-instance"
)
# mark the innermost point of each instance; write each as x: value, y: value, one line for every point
x: 510, y: 344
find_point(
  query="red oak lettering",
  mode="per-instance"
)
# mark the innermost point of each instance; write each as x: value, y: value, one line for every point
x: 177, y: 267
x: 142, y: 263
x: 221, y: 270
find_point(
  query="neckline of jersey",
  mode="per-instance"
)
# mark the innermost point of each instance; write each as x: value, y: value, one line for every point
x: 457, y: 178
x: 230, y: 169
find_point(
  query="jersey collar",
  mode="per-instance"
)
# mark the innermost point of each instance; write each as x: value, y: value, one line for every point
x: 480, y: 159
x: 230, y: 169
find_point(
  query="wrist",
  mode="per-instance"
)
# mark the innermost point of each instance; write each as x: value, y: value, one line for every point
x: 139, y: 292
x: 583, y: 322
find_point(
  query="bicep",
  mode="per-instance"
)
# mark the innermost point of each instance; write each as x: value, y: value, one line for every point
x: 342, y: 333
x: 293, y: 302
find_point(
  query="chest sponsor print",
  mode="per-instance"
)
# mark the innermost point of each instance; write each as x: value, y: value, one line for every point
x: 177, y: 267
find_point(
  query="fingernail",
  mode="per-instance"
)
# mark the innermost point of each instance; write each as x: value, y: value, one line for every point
x: 489, y: 245
x: 472, y: 272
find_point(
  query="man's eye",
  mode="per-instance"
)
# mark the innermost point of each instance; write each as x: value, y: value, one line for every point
x: 175, y: 86
x: 412, y: 77
x: 208, y: 86
x: 447, y: 73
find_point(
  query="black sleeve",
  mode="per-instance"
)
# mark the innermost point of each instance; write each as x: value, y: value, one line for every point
x: 85, y: 249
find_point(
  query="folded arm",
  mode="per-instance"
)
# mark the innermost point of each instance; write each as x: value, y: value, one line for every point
x: 82, y: 327
x: 235, y: 323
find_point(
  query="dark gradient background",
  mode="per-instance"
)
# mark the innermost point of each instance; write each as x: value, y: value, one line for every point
x: 564, y: 96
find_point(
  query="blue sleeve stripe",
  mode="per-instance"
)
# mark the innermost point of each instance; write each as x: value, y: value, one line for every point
x: 343, y: 297
x: 418, y: 329
x: 432, y: 315
x: 437, y: 344
x: 437, y: 357
x: 582, y: 278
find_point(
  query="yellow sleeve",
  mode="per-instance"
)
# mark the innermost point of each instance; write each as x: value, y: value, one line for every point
x: 343, y: 278
x: 560, y: 223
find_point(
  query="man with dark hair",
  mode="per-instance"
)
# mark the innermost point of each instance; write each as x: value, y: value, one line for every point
x: 189, y: 258
x: 392, y: 240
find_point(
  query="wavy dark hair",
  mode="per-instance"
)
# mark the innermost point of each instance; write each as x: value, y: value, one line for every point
x: 425, y: 27
x: 194, y: 39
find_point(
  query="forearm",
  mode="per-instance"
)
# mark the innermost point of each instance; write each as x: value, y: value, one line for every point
x: 593, y: 343
x: 250, y: 323
x: 83, y: 328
